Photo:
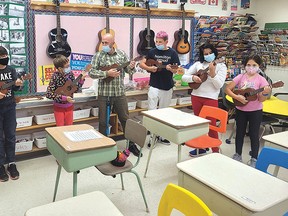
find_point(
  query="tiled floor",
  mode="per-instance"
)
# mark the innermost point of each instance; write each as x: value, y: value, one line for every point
x: 36, y: 184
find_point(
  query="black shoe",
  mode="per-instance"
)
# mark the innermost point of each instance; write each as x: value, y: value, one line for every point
x: 13, y: 172
x: 3, y: 175
x: 135, y: 151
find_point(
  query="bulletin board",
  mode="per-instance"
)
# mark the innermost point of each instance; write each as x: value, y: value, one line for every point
x: 83, y: 37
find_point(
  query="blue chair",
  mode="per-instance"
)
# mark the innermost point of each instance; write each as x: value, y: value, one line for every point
x: 272, y: 156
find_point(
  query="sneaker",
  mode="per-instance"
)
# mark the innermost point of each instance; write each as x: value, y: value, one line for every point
x: 197, y: 152
x: 252, y: 162
x: 3, y: 175
x: 164, y: 141
x: 237, y: 157
x: 13, y: 172
x: 150, y: 142
x: 134, y: 150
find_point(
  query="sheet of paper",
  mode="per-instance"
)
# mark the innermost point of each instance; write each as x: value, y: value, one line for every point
x: 82, y: 135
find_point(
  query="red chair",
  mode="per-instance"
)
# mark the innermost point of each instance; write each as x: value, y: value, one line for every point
x: 206, y: 141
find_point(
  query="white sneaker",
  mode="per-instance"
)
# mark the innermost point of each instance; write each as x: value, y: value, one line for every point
x: 252, y: 162
x: 237, y: 157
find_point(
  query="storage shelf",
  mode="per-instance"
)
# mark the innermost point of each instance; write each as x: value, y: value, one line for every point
x: 49, y: 6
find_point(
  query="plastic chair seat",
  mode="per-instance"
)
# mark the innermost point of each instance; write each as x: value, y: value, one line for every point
x: 204, y: 142
x: 110, y: 170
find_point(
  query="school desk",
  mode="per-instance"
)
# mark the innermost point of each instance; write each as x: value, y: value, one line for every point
x: 174, y: 125
x: 76, y: 155
x: 229, y: 187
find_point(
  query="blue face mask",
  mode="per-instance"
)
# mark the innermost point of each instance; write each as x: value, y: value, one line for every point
x: 67, y: 70
x: 106, y: 49
x: 210, y: 57
x: 160, y: 47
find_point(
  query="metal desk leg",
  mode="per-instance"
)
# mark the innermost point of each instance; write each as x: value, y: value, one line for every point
x: 150, y: 153
x: 74, y: 183
x: 57, y: 181
x: 179, y: 153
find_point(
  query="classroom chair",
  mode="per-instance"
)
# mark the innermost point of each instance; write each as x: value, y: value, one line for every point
x: 176, y: 197
x: 272, y: 156
x: 137, y: 133
x: 206, y: 141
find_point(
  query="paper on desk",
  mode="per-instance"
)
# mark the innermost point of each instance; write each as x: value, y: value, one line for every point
x: 82, y: 135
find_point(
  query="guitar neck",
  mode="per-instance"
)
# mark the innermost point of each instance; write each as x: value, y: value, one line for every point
x: 256, y: 91
x: 7, y: 85
x: 183, y: 19
x: 58, y: 21
x: 77, y: 79
x: 107, y: 21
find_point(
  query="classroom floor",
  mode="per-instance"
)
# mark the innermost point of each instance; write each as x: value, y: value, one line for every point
x: 37, y: 178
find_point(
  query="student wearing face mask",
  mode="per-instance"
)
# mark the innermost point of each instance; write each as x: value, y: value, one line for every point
x: 63, y: 105
x: 161, y: 80
x: 251, y: 112
x: 208, y: 91
x: 111, y: 89
x: 8, y: 119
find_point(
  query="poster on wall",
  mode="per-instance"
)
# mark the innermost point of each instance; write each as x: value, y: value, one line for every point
x: 78, y: 62
x: 245, y: 4
x: 234, y: 4
x: 203, y: 2
x: 224, y: 5
x: 213, y: 2
x: 141, y: 3
x: 13, y: 35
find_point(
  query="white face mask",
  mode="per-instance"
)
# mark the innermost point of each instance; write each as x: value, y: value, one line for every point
x: 106, y: 49
x: 251, y: 70
x: 210, y: 57
x: 67, y: 70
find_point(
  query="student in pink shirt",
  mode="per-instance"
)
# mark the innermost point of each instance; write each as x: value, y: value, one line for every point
x: 250, y: 111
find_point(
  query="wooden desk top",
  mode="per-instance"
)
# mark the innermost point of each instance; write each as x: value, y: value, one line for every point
x: 175, y: 118
x: 249, y: 187
x: 69, y: 146
x: 278, y: 138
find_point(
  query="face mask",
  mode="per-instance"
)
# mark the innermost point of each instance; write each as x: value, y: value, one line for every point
x: 67, y: 70
x: 106, y: 49
x: 210, y: 57
x: 160, y: 47
x: 251, y: 70
x: 4, y: 61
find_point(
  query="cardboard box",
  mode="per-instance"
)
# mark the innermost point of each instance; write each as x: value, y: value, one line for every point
x: 24, y: 122
x: 23, y: 143
x: 44, y: 119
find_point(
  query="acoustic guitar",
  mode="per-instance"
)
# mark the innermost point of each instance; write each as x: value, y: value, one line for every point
x: 250, y: 94
x: 71, y: 87
x: 181, y: 43
x: 146, y: 36
x: 58, y: 37
x: 153, y: 62
x: 118, y: 67
x: 106, y: 29
x: 203, y: 75
x: 5, y: 85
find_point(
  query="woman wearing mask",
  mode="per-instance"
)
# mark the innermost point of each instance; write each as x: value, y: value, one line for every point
x: 208, y: 91
x: 249, y: 111
x: 63, y: 105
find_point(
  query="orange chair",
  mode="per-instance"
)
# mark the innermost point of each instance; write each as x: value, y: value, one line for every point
x: 205, y: 141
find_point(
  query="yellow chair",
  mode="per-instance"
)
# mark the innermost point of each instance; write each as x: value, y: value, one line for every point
x: 175, y: 197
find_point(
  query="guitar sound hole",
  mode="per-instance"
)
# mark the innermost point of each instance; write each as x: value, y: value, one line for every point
x: 69, y: 88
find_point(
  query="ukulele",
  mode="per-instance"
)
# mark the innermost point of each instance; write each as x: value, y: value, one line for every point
x: 203, y: 75
x: 181, y: 43
x: 146, y: 36
x: 58, y: 37
x: 152, y: 62
x: 4, y: 86
x: 117, y: 67
x: 70, y: 87
x: 250, y: 94
x: 105, y: 30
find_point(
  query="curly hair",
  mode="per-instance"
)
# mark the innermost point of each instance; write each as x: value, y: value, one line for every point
x: 206, y: 46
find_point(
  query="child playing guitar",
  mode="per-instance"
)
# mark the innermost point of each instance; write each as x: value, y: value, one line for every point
x: 63, y: 105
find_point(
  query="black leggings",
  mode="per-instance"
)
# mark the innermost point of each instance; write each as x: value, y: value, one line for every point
x: 254, y: 118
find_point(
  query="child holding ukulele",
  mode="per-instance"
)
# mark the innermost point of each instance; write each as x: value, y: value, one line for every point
x: 249, y: 111
x: 63, y: 104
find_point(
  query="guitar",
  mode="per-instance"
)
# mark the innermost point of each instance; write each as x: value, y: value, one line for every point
x: 58, y: 37
x: 4, y: 86
x: 203, y: 75
x: 181, y: 43
x: 70, y: 87
x: 146, y: 36
x: 118, y: 67
x: 250, y: 94
x: 152, y: 62
x: 105, y: 30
